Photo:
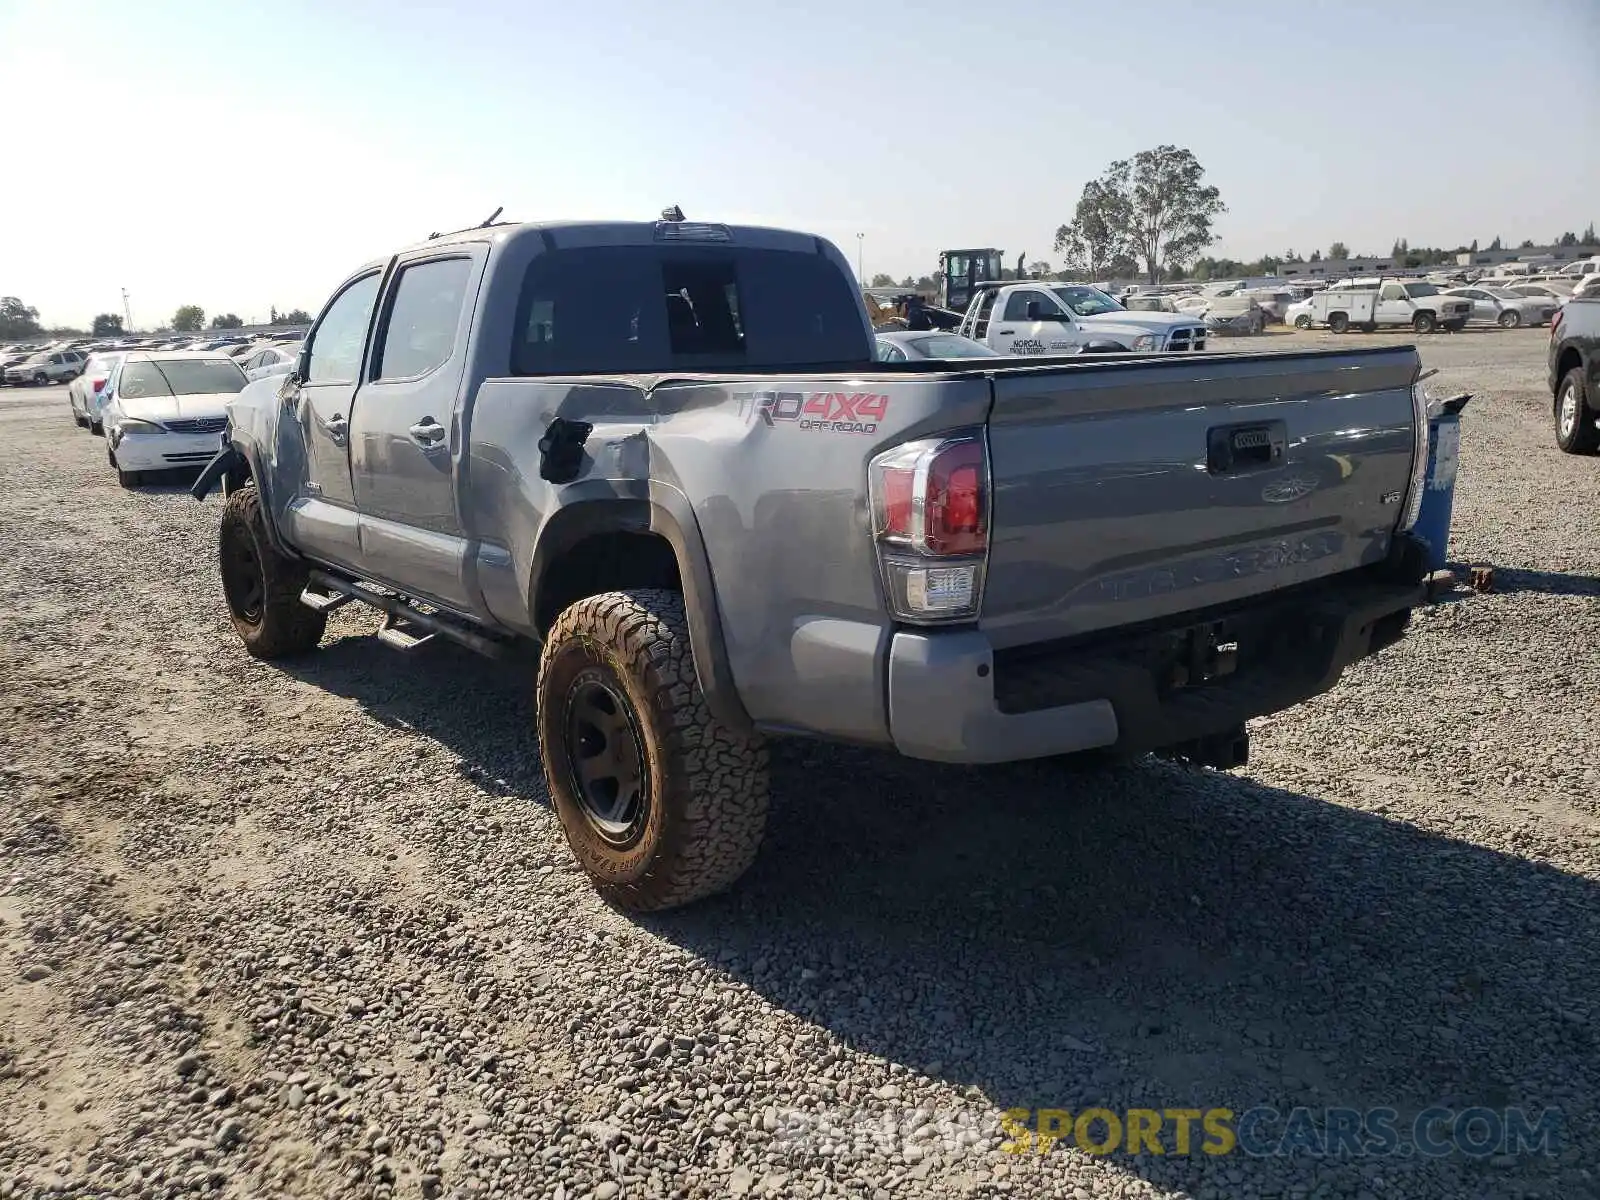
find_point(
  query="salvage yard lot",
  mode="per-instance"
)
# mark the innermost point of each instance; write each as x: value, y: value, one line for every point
x: 310, y: 929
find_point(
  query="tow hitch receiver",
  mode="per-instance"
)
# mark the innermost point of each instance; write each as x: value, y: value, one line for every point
x: 1224, y: 751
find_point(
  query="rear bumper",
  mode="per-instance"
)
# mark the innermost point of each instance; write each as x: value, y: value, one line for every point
x: 953, y: 698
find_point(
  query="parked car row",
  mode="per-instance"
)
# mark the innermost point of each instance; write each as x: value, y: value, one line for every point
x: 1374, y: 303
x: 36, y: 365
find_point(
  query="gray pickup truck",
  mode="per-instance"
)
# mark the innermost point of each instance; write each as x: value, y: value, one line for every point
x: 661, y: 454
x: 1575, y: 374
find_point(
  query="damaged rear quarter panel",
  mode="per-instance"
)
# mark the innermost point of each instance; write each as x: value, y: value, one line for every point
x: 776, y: 471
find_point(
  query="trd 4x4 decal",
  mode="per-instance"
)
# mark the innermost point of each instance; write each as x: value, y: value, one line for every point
x: 826, y: 412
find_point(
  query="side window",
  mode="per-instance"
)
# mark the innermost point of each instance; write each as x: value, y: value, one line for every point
x: 1392, y: 291
x: 1017, y: 305
x: 420, y: 334
x: 889, y: 352
x: 55, y: 360
x: 336, y: 350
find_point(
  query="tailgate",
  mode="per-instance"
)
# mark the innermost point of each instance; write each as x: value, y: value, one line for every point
x: 1132, y: 491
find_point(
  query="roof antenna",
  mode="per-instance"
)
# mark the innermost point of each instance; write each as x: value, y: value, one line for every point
x: 672, y: 214
x: 492, y: 216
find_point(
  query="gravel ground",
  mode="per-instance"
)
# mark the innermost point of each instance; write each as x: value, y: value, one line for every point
x: 311, y: 930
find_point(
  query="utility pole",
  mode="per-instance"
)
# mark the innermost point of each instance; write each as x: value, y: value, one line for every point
x: 127, y: 313
x: 860, y: 237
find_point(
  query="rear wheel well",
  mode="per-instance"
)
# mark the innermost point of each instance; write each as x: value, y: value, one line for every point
x: 1570, y: 359
x: 604, y: 562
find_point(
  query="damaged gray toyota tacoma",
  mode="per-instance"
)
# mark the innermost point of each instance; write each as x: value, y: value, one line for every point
x: 660, y: 455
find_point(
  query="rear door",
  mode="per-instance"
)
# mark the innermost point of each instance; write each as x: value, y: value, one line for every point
x: 1125, y: 493
x: 405, y: 432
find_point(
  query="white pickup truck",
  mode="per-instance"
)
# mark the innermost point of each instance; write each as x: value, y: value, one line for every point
x: 1392, y: 302
x: 1043, y: 317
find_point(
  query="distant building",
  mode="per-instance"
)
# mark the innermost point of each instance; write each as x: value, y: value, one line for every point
x: 1554, y: 256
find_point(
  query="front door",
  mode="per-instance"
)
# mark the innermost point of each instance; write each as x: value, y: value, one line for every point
x: 1484, y: 306
x: 323, y: 514
x: 1024, y: 330
x: 405, y: 432
x: 1394, y: 306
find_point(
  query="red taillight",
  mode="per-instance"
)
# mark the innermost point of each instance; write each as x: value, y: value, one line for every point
x: 1555, y: 323
x: 954, y: 520
x: 930, y: 517
x: 98, y: 384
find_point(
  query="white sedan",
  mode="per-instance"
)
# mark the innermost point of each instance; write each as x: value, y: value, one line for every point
x: 164, y: 411
x: 85, y: 394
x: 269, y: 360
x: 1299, y: 315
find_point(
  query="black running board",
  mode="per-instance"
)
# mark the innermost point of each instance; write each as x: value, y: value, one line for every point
x: 400, y: 614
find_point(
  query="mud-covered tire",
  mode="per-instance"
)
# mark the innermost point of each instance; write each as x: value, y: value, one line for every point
x: 693, y: 823
x: 262, y: 587
x: 1575, y: 420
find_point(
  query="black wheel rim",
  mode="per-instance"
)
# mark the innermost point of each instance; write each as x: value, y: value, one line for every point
x: 242, y: 578
x: 606, y: 752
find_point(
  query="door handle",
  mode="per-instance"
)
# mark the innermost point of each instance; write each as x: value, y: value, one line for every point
x: 427, y: 433
x: 1005, y: 331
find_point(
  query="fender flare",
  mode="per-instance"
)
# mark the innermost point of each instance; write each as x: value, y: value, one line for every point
x: 668, y: 514
x: 251, y: 454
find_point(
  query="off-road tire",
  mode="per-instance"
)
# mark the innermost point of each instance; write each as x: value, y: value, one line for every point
x: 1423, y: 322
x: 703, y: 800
x: 271, y: 620
x: 1583, y: 438
x: 1339, y: 323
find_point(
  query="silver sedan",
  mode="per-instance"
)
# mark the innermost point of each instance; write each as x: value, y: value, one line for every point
x: 1503, y: 307
x: 915, y: 347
